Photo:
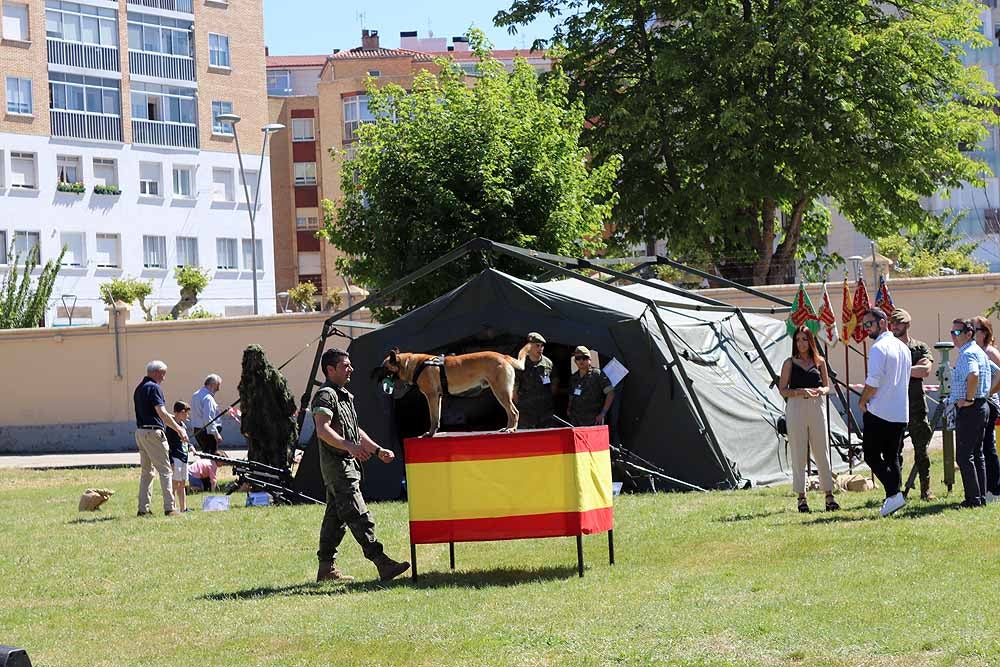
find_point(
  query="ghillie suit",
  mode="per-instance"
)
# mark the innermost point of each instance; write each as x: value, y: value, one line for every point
x: 268, y: 410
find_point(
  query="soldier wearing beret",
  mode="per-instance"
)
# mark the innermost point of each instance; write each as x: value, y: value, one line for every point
x: 591, y: 393
x: 535, y: 386
x: 918, y: 427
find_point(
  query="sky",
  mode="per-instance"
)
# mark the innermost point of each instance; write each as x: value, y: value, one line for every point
x: 320, y: 26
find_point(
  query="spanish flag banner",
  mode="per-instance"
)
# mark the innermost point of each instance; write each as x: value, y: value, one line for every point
x: 503, y: 486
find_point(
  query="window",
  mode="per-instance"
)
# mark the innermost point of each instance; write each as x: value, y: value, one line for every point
x: 306, y: 218
x: 15, y: 22
x: 75, y: 245
x: 72, y: 92
x: 355, y: 113
x: 219, y: 127
x: 73, y: 22
x: 222, y: 185
x: 68, y: 169
x: 154, y: 252
x: 305, y: 173
x: 218, y: 50
x: 374, y: 73
x: 24, y: 243
x: 303, y: 129
x: 18, y: 95
x: 184, y: 182
x: 248, y: 258
x: 149, y: 179
x: 105, y: 172
x: 107, y: 253
x: 22, y: 171
x: 225, y: 249
x: 310, y: 264
x: 187, y: 251
x: 159, y: 34
x: 251, y: 183
x: 279, y: 82
x: 173, y: 104
x: 4, y: 248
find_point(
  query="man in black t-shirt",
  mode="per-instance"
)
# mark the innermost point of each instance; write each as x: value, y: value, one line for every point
x: 151, y: 422
x: 919, y: 428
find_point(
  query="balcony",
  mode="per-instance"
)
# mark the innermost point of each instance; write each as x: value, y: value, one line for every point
x: 164, y: 133
x: 160, y: 65
x: 184, y: 6
x: 87, y: 56
x: 86, y: 125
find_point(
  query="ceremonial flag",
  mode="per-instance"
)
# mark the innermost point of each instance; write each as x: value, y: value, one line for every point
x: 848, y: 321
x: 802, y: 313
x: 861, y: 304
x: 544, y: 483
x: 883, y: 299
x: 828, y: 320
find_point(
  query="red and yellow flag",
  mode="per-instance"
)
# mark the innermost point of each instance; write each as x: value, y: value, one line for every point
x: 802, y: 313
x: 848, y: 321
x: 861, y: 304
x: 829, y: 321
x: 489, y: 486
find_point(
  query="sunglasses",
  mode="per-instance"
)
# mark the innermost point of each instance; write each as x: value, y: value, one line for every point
x: 868, y: 325
x: 957, y: 332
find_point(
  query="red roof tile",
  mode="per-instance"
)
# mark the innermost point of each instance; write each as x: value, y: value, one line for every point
x: 297, y: 61
x: 360, y: 53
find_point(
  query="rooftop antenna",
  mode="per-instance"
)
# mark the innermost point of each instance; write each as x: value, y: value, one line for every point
x: 430, y: 33
x: 361, y: 17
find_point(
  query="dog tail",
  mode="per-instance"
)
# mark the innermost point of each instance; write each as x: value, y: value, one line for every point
x: 518, y: 363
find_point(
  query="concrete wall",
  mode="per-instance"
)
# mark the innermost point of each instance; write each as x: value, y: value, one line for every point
x: 933, y: 303
x: 64, y: 392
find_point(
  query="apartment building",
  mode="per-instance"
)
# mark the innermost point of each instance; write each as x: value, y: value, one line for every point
x: 110, y: 145
x: 322, y: 99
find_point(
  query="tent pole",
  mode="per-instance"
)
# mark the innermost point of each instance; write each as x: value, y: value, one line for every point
x: 757, y: 346
x: 728, y: 283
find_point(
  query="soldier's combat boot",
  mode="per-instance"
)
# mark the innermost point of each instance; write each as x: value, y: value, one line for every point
x: 925, y: 490
x: 328, y: 571
x: 389, y: 568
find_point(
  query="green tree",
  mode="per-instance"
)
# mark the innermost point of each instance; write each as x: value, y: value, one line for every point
x: 303, y: 296
x: 929, y: 249
x: 22, y: 300
x: 733, y: 117
x: 128, y: 291
x: 192, y: 280
x: 449, y: 162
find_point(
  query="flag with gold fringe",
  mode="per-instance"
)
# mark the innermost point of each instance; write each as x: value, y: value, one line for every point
x: 848, y: 321
x: 829, y: 321
x: 861, y: 304
x: 883, y: 299
x: 488, y: 486
x: 802, y: 313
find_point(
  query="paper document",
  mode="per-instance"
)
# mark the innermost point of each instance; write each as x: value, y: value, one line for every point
x: 615, y: 371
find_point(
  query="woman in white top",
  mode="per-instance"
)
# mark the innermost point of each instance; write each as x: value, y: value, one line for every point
x: 984, y: 339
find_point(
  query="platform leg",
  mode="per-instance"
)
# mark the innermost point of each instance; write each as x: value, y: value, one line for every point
x: 579, y: 555
x: 413, y: 561
x: 611, y: 546
x: 451, y: 554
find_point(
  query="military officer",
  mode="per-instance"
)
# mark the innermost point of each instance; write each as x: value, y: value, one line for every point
x: 591, y: 393
x: 535, y: 386
x: 918, y: 427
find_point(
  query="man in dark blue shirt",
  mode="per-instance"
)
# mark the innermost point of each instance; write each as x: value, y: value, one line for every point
x: 151, y: 421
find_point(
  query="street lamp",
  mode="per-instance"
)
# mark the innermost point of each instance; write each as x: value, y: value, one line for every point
x: 268, y: 130
x: 283, y: 298
x: 69, y: 308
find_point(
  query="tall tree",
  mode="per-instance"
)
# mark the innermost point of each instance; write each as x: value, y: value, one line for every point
x: 23, y: 301
x: 449, y: 161
x: 734, y: 116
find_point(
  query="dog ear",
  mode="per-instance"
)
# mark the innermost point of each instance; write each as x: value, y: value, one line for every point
x: 392, y: 354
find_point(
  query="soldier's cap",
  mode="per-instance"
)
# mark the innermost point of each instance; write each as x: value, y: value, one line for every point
x: 535, y: 337
x: 581, y: 351
x: 899, y: 316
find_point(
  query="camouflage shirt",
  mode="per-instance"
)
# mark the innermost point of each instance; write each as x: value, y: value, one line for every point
x: 534, y: 385
x: 338, y: 404
x: 586, y: 393
x: 918, y: 352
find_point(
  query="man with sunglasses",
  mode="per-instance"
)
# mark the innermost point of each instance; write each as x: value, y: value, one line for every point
x: 970, y: 385
x: 885, y: 403
x: 535, y: 386
x: 591, y: 393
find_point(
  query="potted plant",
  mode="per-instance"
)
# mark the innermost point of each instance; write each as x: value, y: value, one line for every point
x: 112, y: 190
x: 75, y: 188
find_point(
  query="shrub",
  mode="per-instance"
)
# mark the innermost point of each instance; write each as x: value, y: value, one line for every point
x: 302, y: 295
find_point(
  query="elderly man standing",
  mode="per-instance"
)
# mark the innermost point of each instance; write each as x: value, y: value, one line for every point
x: 918, y: 426
x: 204, y: 410
x: 151, y: 420
x: 970, y: 385
x: 885, y: 403
x: 535, y: 386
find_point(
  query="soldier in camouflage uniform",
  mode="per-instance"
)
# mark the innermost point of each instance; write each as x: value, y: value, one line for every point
x: 919, y: 428
x: 590, y: 392
x: 535, y: 387
x: 342, y: 443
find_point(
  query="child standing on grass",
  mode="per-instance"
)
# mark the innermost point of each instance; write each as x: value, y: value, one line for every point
x: 179, y: 454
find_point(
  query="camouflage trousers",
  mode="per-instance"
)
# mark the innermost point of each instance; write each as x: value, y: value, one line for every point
x: 920, y: 435
x: 345, y: 508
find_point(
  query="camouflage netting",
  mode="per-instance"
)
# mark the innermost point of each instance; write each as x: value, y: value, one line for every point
x: 268, y: 421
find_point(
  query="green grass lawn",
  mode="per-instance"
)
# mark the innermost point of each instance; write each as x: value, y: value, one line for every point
x: 734, y: 578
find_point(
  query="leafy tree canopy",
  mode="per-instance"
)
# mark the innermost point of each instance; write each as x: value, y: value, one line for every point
x: 448, y: 162
x: 733, y: 116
